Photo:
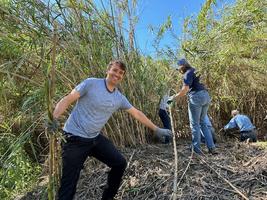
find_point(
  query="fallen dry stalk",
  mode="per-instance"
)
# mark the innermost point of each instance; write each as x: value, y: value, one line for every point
x: 228, y: 182
x: 150, y: 174
x: 174, y: 190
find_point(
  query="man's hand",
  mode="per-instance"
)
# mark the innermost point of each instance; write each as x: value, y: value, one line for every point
x: 161, y: 133
x: 52, y: 126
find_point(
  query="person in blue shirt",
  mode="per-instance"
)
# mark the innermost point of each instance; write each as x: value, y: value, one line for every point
x: 96, y: 100
x: 198, y: 104
x: 164, y: 115
x: 211, y: 129
x: 243, y: 123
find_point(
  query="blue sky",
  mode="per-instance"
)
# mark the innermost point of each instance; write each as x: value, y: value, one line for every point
x: 155, y: 12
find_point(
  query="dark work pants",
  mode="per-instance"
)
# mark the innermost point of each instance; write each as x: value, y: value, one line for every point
x: 164, y: 116
x: 248, y: 135
x: 74, y: 153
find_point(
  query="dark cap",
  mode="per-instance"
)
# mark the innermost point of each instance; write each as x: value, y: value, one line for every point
x: 181, y: 62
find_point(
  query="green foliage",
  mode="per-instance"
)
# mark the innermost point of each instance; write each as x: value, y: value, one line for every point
x: 17, y: 172
x: 229, y: 50
x: 19, y: 176
x: 232, y: 54
x: 88, y: 38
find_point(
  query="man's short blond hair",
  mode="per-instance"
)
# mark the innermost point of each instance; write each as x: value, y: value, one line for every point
x: 234, y: 112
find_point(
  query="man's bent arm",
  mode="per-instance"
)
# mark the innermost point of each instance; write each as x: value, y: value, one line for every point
x: 231, y: 124
x: 141, y: 117
x: 64, y: 103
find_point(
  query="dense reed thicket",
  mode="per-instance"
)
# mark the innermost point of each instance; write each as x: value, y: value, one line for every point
x: 227, y: 46
x: 88, y: 37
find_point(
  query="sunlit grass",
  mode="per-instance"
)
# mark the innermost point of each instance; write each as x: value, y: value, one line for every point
x: 262, y: 144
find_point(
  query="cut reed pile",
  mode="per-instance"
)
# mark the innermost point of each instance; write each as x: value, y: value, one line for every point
x: 150, y: 174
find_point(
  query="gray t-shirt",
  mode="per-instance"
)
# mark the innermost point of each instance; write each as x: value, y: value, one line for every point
x: 94, y: 107
x: 163, y: 102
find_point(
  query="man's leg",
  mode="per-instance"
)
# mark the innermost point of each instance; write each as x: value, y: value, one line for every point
x: 204, y: 127
x: 243, y: 137
x: 107, y: 153
x: 74, y: 153
x: 248, y: 135
x: 254, y: 136
x: 166, y: 121
x: 212, y: 130
x: 194, y: 112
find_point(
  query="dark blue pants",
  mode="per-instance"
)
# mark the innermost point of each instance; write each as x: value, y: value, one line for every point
x: 74, y: 153
x: 248, y: 135
x: 164, y: 116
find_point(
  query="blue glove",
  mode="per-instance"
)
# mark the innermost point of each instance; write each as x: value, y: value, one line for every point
x: 52, y: 126
x: 161, y: 133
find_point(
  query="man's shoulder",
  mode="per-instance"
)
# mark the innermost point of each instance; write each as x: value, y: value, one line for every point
x: 119, y: 93
x: 241, y: 116
x: 94, y: 79
x: 190, y: 72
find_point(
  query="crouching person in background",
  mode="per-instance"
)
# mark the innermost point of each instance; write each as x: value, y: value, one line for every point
x: 245, y: 126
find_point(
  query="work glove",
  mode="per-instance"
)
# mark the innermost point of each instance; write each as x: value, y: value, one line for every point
x: 170, y: 100
x: 52, y: 126
x: 161, y: 133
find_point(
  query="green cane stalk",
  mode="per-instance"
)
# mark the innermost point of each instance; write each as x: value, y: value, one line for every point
x: 54, y: 168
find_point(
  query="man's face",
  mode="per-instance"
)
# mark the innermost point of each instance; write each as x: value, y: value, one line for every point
x: 115, y: 74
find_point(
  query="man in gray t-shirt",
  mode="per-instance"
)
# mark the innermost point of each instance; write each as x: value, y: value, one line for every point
x: 94, y: 107
x: 96, y: 100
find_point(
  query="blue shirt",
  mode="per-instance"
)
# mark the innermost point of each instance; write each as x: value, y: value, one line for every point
x: 191, y: 80
x: 240, y: 121
x: 94, y: 107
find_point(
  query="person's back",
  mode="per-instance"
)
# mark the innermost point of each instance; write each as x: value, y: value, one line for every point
x: 243, y: 122
x: 193, y: 81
